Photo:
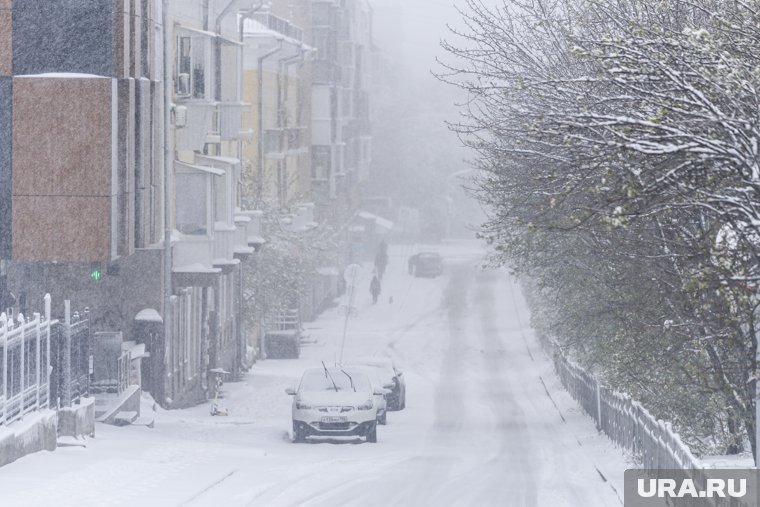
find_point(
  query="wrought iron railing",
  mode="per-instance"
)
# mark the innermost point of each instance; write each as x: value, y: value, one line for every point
x: 70, y: 359
x: 24, y: 364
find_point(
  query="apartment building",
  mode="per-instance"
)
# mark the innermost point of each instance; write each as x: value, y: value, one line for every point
x: 341, y: 139
x: 277, y: 82
x: 212, y: 233
x: 93, y: 180
x: 82, y: 172
x: 80, y: 155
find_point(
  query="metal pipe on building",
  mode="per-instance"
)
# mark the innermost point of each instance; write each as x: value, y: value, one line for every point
x: 241, y: 29
x: 167, y: 281
x: 241, y: 77
x: 282, y: 123
x: 260, y: 111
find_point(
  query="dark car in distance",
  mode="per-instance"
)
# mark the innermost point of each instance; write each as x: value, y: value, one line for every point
x: 427, y: 264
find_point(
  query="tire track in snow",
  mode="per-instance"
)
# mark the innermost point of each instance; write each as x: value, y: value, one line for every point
x: 512, y: 459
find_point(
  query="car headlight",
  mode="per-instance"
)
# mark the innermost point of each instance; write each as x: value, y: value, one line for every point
x: 366, y: 406
x: 302, y: 406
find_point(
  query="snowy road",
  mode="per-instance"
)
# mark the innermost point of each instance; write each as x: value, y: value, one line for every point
x: 486, y: 421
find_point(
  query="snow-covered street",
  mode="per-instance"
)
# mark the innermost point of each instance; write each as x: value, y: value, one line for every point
x: 486, y: 421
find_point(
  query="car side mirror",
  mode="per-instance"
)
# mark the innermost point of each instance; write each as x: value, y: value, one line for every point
x: 290, y: 391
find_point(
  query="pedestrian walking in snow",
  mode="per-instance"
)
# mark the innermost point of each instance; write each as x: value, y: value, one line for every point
x: 374, y: 289
x: 381, y: 261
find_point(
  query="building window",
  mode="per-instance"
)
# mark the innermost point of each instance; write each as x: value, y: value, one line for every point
x: 320, y: 167
x: 222, y: 199
x: 192, y: 203
x: 190, y: 80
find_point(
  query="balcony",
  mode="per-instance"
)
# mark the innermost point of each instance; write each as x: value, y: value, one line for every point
x: 242, y: 249
x: 225, y: 236
x: 279, y: 25
x: 273, y: 143
x: 253, y: 232
x: 231, y: 121
x: 192, y: 121
x: 193, y: 240
x: 296, y: 137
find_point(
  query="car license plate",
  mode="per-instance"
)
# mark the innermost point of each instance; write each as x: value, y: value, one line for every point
x: 334, y: 419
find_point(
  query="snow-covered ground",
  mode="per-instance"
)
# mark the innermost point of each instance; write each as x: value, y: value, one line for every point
x: 486, y: 423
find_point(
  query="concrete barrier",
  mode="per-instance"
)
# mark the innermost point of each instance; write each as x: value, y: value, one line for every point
x: 77, y: 420
x: 36, y: 432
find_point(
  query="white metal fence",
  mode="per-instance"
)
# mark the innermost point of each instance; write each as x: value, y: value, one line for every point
x: 653, y: 442
x: 25, y: 356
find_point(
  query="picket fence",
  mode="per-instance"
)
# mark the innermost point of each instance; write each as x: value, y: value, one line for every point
x: 652, y: 442
x: 624, y: 420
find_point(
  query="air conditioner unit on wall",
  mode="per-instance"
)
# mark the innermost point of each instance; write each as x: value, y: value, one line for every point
x: 180, y: 116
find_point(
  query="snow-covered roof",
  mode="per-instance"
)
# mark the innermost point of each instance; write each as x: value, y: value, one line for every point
x: 208, y: 34
x: 215, y: 158
x: 64, y: 75
x: 201, y: 168
x: 250, y: 212
x: 219, y: 261
x: 253, y: 28
x: 149, y: 315
x: 196, y: 268
x: 224, y: 227
x: 380, y: 221
x: 138, y: 351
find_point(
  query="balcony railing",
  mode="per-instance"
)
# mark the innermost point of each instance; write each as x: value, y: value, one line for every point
x: 229, y: 121
x: 273, y: 141
x: 191, y: 133
x: 296, y: 137
x: 280, y: 25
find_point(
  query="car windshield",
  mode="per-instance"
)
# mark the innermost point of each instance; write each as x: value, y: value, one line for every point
x: 319, y: 380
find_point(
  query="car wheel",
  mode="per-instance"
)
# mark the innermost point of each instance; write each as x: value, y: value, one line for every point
x: 299, y: 437
x: 372, y: 434
x: 384, y: 419
x: 397, y: 402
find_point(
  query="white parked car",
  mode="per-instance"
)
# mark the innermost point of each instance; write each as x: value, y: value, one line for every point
x: 391, y: 377
x: 334, y: 402
x: 377, y: 385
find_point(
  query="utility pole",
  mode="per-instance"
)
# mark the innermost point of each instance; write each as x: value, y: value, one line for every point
x: 350, y: 276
